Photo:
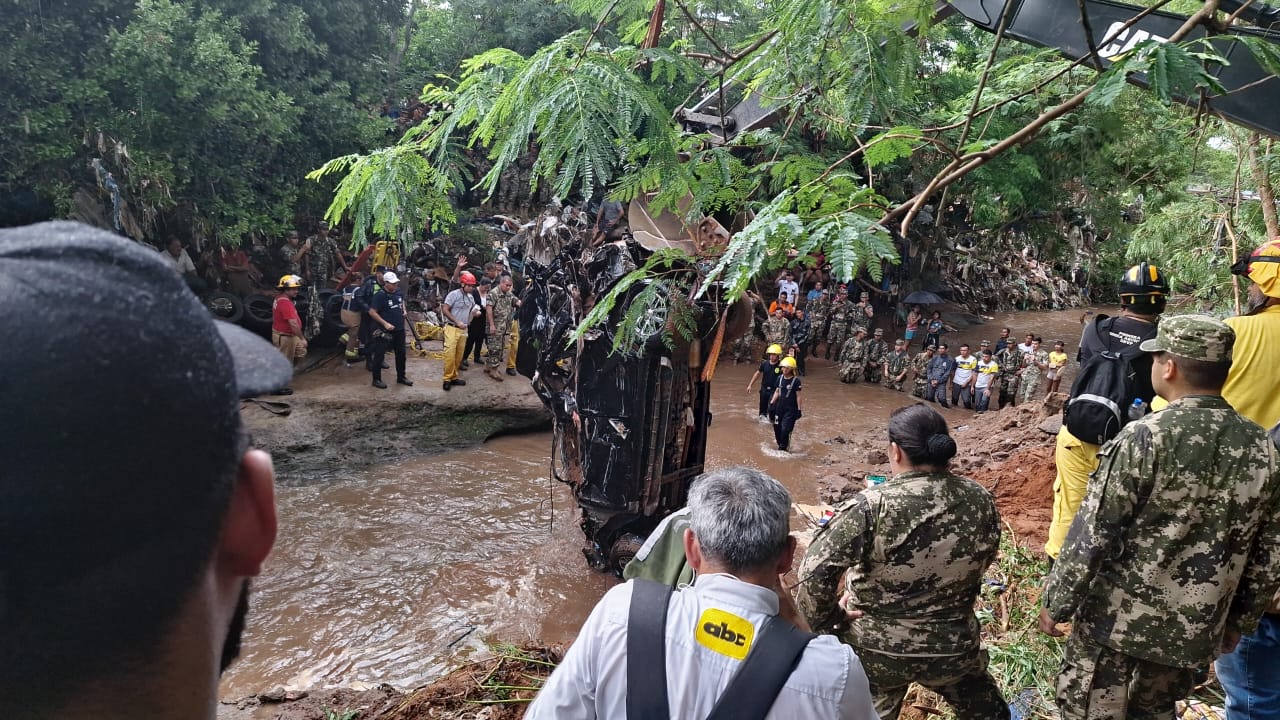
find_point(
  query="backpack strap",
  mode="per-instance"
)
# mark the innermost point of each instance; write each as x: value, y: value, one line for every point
x: 752, y: 691
x: 647, y: 651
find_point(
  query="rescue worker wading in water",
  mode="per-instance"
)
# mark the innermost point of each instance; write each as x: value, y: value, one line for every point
x: 784, y: 407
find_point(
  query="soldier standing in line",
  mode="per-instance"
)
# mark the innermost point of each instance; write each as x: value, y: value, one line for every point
x: 499, y: 311
x: 896, y: 365
x: 1175, y: 552
x: 818, y: 310
x: 920, y: 371
x: 1034, y: 364
x: 863, y: 313
x: 913, y: 552
x: 853, y: 357
x: 1009, y: 358
x: 838, y: 330
x: 777, y: 328
x: 877, y: 349
x: 798, y: 339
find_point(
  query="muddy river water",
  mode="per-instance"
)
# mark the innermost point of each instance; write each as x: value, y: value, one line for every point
x: 397, y: 573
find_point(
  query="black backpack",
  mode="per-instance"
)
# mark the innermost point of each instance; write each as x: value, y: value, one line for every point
x: 1102, y: 392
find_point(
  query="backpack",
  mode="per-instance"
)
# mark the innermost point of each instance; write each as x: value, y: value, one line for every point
x: 1101, y: 393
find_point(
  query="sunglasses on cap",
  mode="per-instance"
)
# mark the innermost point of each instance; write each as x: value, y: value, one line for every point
x: 1241, y: 265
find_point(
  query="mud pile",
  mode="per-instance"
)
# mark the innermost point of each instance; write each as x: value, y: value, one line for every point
x: 497, y: 687
x: 1009, y: 452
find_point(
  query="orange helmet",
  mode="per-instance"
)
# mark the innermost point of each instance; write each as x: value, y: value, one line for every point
x: 467, y: 278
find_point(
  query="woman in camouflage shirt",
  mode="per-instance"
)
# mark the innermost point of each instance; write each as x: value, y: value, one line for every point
x: 913, y: 552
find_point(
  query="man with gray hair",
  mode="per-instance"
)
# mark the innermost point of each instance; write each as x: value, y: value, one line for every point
x: 729, y: 645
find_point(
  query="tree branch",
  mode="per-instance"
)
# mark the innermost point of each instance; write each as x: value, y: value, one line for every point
x: 703, y: 30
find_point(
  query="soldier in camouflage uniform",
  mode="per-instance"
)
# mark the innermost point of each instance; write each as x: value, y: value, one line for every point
x: 1175, y: 551
x: 896, y: 365
x: 853, y: 357
x: 1034, y: 364
x: 777, y: 329
x: 877, y: 350
x: 818, y: 310
x: 500, y: 309
x: 745, y: 345
x: 323, y: 260
x: 920, y: 372
x: 1009, y: 358
x: 838, y: 327
x: 915, y: 549
x: 863, y: 314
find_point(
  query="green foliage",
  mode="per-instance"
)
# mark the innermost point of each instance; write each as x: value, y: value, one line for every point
x: 186, y: 84
x: 890, y: 145
x: 1171, y: 69
x: 1024, y: 661
x: 332, y: 714
x: 658, y: 308
x: 392, y: 191
x: 1190, y: 237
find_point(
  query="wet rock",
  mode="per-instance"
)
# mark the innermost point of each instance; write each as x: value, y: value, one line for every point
x: 875, y: 456
x: 1051, y: 425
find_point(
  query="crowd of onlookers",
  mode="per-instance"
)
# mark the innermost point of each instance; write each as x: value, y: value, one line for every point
x: 826, y: 322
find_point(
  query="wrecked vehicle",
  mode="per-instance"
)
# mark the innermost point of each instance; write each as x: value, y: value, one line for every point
x: 630, y: 424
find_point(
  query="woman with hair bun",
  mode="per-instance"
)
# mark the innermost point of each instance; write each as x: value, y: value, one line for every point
x: 915, y: 549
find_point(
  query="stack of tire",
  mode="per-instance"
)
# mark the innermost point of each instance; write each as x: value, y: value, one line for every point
x: 254, y: 312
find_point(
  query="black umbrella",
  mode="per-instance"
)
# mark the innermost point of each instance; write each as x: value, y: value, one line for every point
x: 922, y: 297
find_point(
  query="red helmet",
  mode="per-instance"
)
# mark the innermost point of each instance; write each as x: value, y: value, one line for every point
x: 467, y: 278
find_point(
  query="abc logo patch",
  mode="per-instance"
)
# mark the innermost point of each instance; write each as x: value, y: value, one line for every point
x: 725, y: 633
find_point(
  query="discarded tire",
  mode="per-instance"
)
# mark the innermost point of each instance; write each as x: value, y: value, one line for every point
x: 257, y: 311
x: 224, y: 306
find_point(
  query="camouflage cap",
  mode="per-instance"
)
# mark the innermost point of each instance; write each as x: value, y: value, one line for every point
x: 1196, y: 337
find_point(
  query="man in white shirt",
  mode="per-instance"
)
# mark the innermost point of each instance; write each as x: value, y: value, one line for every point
x: 987, y: 371
x: 962, y: 382
x: 738, y: 544
x: 177, y: 257
x: 787, y: 287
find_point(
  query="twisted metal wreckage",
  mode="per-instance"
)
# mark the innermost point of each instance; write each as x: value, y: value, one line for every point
x: 630, y: 428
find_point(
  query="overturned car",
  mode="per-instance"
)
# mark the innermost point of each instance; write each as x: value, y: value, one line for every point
x: 630, y: 416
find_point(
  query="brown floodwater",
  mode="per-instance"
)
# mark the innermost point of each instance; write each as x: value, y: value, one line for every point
x: 397, y: 573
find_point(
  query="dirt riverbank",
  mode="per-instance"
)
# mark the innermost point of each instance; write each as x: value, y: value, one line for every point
x: 338, y: 422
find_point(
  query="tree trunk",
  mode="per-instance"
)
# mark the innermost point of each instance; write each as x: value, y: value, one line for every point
x: 1262, y: 181
x: 655, y: 25
x: 397, y: 57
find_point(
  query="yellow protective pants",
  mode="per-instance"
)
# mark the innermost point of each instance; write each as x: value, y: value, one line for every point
x: 1075, y: 460
x: 455, y: 341
x: 514, y: 343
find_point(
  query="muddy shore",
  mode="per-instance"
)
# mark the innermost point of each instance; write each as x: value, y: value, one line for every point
x: 338, y: 422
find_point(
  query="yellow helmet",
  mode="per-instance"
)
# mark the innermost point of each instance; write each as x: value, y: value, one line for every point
x: 289, y: 281
x: 774, y: 349
x: 1262, y: 266
x: 788, y: 362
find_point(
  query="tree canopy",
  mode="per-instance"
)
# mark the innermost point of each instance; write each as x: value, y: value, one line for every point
x: 892, y: 137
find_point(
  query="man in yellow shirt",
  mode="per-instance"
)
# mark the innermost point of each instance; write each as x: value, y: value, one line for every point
x: 1249, y: 675
x: 1251, y: 386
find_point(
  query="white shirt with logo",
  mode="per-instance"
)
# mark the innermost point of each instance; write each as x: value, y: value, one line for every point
x: 987, y: 370
x: 965, y: 365
x: 711, y: 626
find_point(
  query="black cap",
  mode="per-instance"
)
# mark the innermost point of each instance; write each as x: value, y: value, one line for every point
x: 113, y: 370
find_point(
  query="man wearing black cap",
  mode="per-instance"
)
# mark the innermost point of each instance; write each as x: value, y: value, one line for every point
x: 132, y: 510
